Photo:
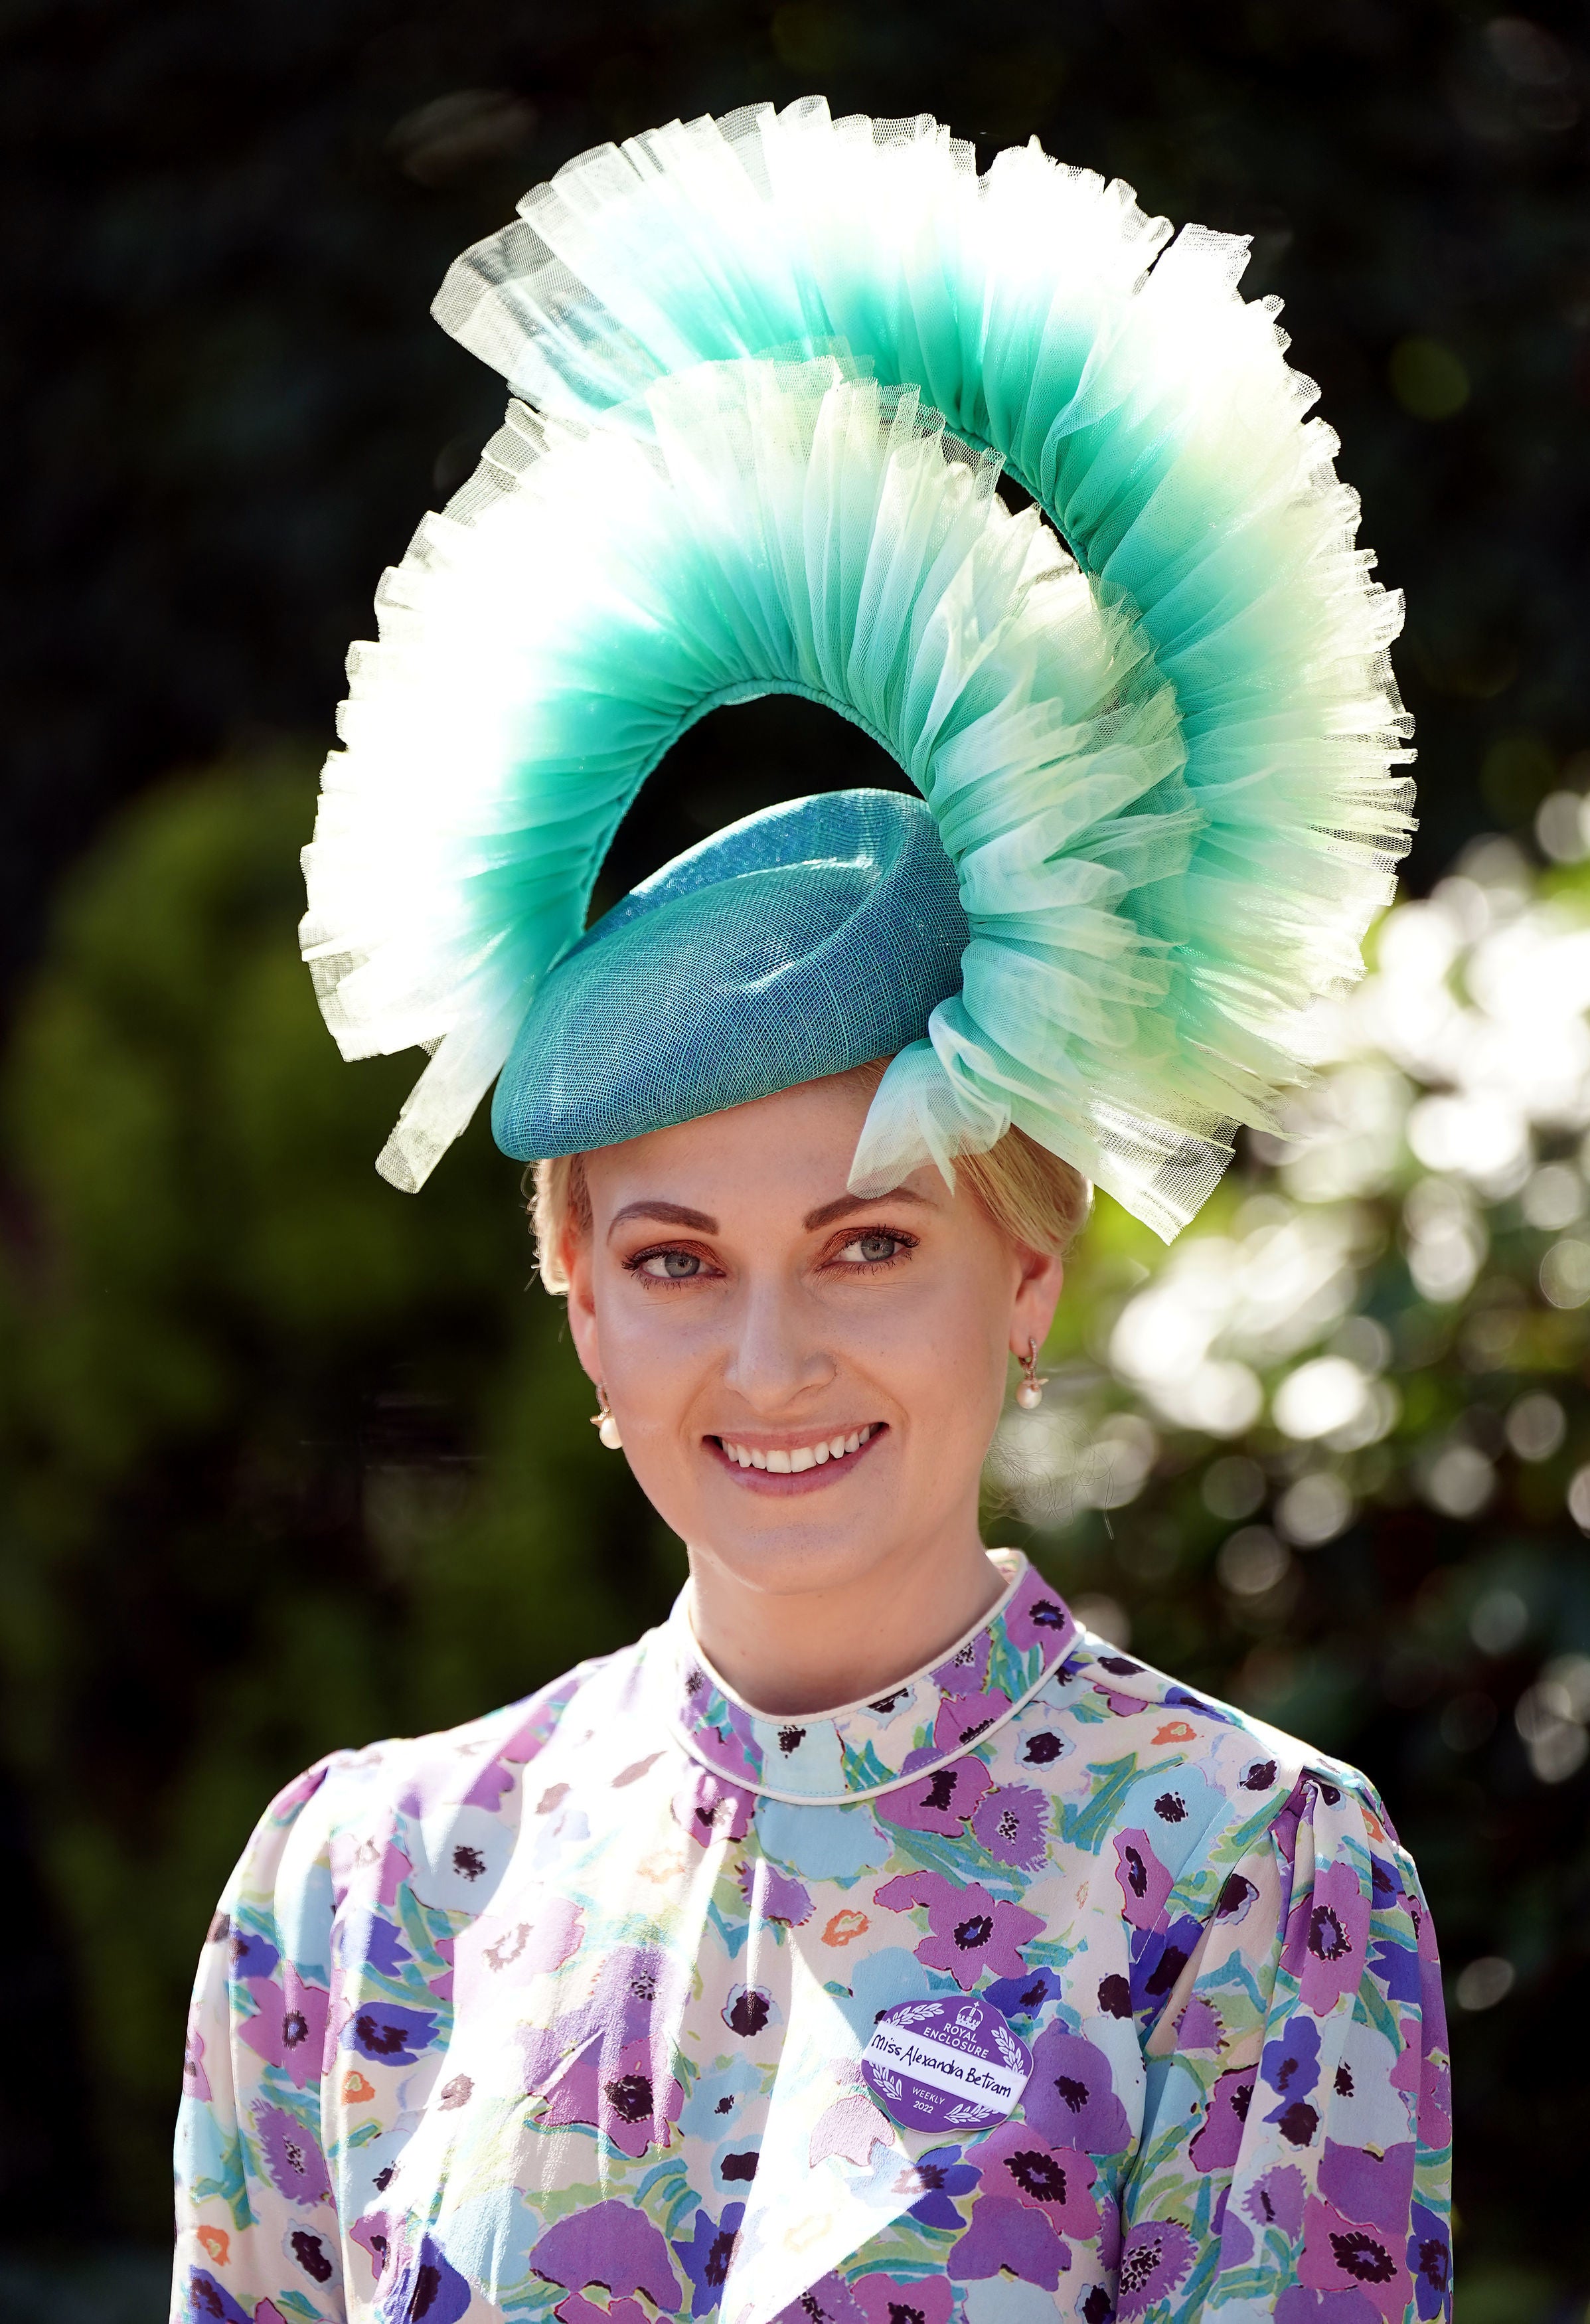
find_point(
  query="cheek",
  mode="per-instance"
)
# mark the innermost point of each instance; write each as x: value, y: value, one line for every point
x: 657, y: 1348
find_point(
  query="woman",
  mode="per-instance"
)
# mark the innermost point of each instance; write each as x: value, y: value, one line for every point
x: 870, y: 1943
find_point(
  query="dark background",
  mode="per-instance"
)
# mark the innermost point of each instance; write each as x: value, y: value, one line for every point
x: 285, y: 1460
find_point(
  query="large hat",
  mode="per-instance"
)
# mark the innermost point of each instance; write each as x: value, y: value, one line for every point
x: 768, y: 373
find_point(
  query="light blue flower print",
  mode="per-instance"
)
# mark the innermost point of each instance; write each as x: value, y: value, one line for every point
x: 880, y: 1980
x: 822, y: 1843
x: 1175, y: 1806
x: 807, y: 1759
x: 710, y: 2110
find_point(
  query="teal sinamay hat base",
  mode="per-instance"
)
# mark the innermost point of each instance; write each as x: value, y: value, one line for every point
x: 805, y: 940
x: 769, y: 370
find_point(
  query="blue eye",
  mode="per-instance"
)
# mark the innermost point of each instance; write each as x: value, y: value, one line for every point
x: 872, y: 1249
x: 671, y: 1265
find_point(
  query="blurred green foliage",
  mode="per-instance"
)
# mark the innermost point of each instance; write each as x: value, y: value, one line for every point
x: 288, y: 1460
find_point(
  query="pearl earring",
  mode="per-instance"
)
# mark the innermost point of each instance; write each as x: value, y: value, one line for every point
x: 603, y: 1423
x: 1029, y: 1393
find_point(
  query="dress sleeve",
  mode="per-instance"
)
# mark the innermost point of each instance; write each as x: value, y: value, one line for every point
x: 1295, y: 2157
x: 257, y: 2238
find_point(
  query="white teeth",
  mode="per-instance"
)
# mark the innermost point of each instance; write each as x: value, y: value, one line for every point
x: 795, y: 1460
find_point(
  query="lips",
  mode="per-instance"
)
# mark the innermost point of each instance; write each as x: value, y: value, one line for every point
x: 800, y: 1467
x: 792, y: 1460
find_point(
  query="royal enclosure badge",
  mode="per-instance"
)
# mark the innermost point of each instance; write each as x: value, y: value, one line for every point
x: 950, y: 2064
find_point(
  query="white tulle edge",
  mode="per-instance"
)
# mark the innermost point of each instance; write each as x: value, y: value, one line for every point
x: 923, y: 1114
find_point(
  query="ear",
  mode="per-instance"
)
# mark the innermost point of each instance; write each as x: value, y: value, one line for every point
x: 582, y: 1302
x: 1037, y: 1295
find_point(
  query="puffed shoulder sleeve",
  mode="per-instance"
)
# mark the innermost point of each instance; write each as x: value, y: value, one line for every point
x: 257, y: 2238
x: 1296, y: 2150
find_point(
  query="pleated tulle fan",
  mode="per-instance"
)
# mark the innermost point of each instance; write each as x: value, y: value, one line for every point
x: 1165, y: 771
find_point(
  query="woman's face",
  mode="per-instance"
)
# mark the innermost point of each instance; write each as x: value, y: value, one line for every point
x: 806, y: 1384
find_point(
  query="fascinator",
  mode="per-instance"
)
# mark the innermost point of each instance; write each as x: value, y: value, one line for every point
x: 768, y: 375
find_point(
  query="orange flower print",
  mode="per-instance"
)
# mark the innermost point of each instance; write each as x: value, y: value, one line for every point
x: 1176, y: 1731
x: 356, y: 2089
x: 217, y: 2243
x: 845, y: 1928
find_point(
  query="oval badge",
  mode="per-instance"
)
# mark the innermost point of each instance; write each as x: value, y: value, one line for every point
x: 949, y: 2064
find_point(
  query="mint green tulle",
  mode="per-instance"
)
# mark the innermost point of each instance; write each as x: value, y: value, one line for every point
x: 1166, y: 778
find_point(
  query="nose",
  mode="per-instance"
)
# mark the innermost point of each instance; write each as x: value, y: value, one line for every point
x: 774, y: 1357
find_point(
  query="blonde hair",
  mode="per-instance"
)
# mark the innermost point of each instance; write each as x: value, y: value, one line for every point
x: 1032, y: 1197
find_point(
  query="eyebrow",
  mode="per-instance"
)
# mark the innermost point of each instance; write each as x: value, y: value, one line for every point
x: 671, y: 1214
x: 846, y: 1205
x: 675, y: 1214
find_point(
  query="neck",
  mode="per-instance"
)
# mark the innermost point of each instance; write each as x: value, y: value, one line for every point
x: 805, y: 1652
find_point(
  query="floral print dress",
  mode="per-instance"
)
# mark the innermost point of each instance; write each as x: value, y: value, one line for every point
x: 561, y: 2014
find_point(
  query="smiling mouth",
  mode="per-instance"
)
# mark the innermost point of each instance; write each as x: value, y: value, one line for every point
x: 785, y: 1468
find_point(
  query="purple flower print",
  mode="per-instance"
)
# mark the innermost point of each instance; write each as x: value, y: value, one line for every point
x: 705, y: 2258
x: 774, y: 1896
x: 1236, y: 2236
x: 389, y: 2034
x: 614, y: 2090
x: 288, y: 2028
x: 1325, y: 1939
x: 890, y: 2300
x: 965, y: 1672
x: 421, y: 2285
x: 611, y: 2244
x: 1071, y: 2099
x: 1156, y: 1958
x: 208, y: 2300
x: 1036, y: 1616
x: 748, y: 2011
x: 577, y: 2309
x: 1056, y: 2181
x: 1218, y: 2144
x: 709, y: 1806
x: 969, y: 1931
x: 195, y: 2082
x: 1276, y: 2200
x: 936, y: 2176
x: 252, y: 1955
x: 1158, y: 2255
x: 1144, y: 1882
x: 1007, y: 2233
x: 1291, y: 2063
x: 1024, y: 1996
x: 369, y: 1940
x: 1198, y: 2026
x: 1013, y: 1824
x: 942, y: 1798
x: 1429, y: 2256
x: 963, y: 1718
x: 1340, y: 2255
x: 1376, y: 2188
x: 1298, y: 2306
x: 826, y: 2301
x: 292, y: 2155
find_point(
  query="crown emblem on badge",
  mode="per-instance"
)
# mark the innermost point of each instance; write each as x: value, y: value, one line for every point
x: 971, y: 2017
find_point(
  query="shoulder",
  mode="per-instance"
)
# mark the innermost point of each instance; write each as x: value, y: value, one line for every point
x: 436, y: 1812
x: 1192, y: 1783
